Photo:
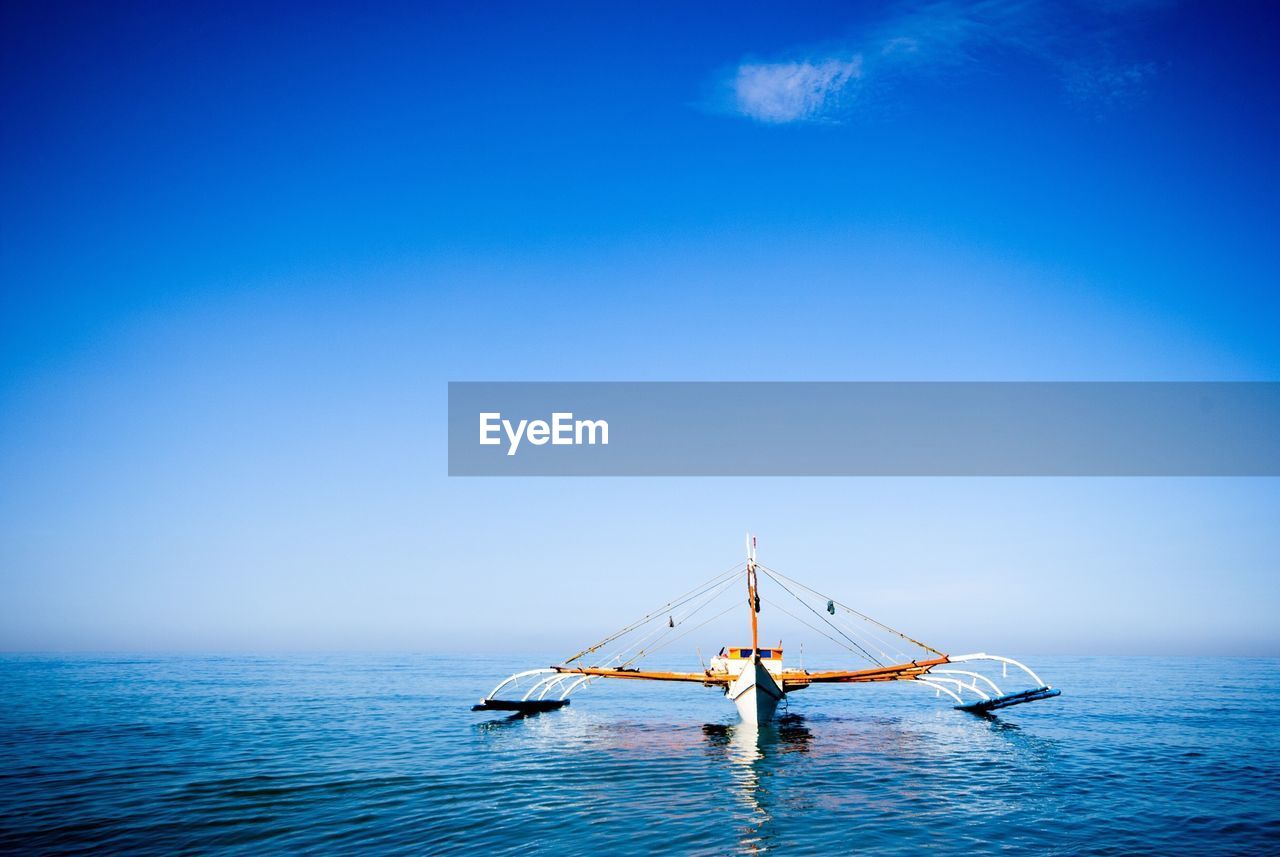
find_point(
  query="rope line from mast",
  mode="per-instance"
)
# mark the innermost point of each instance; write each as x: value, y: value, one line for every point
x: 857, y: 638
x: 876, y: 622
x: 809, y: 607
x: 662, y: 631
x: 688, y: 596
x: 686, y: 633
x: 815, y: 628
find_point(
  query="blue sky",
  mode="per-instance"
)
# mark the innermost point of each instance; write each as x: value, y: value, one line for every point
x: 242, y: 250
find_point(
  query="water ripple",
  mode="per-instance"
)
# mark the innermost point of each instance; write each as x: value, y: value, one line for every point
x: 345, y: 753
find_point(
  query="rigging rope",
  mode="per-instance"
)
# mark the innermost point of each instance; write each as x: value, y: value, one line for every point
x: 685, y: 634
x: 877, y: 623
x: 886, y: 649
x: 809, y: 607
x: 688, y: 596
x: 773, y: 603
x: 662, y: 631
x: 893, y: 655
x: 654, y: 640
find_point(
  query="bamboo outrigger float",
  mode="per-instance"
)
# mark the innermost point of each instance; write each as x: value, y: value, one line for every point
x: 754, y: 678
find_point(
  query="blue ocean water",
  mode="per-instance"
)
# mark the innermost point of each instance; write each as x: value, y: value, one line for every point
x: 380, y: 753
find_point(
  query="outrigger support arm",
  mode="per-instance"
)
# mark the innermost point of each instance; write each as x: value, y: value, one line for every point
x: 524, y: 705
x: 983, y: 706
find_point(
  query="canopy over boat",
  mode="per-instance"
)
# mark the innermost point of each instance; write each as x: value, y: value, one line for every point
x: 754, y: 676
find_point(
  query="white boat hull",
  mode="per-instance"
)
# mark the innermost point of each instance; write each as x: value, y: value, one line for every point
x: 755, y: 693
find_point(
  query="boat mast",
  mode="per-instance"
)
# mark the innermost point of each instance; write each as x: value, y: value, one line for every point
x: 753, y: 598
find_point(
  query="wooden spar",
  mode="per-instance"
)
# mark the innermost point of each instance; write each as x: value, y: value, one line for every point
x: 896, y: 671
x: 646, y: 675
x: 790, y: 679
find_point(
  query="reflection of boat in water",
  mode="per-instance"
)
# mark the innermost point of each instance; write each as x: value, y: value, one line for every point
x: 752, y: 750
x: 748, y: 742
x: 754, y: 678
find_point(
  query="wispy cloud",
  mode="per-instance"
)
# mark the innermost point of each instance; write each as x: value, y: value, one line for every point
x: 793, y: 91
x: 1081, y: 41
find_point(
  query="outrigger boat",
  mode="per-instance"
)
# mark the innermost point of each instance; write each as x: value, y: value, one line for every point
x: 753, y: 677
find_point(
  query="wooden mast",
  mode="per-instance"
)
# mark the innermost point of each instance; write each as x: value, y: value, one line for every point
x: 753, y: 599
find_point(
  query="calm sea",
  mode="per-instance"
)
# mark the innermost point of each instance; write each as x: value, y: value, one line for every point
x: 380, y: 753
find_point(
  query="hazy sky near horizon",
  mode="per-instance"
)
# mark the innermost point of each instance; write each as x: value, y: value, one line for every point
x: 244, y: 248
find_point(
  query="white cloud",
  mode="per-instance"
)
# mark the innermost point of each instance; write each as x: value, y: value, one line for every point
x: 793, y: 91
x: 1079, y: 39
